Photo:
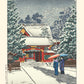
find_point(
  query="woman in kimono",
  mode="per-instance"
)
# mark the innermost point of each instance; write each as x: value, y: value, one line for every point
x: 62, y: 65
x: 55, y: 65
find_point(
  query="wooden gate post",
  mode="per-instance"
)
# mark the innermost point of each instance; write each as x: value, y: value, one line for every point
x: 9, y: 67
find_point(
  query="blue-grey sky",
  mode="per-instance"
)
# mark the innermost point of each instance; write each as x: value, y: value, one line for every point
x: 48, y: 8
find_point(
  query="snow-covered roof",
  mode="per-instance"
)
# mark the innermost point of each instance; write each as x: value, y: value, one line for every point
x: 37, y: 41
x: 49, y: 51
x: 37, y: 30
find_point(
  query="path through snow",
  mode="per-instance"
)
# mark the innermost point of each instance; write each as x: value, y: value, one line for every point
x: 41, y: 73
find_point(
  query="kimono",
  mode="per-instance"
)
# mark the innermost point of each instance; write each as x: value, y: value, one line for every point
x: 62, y: 66
x: 55, y: 65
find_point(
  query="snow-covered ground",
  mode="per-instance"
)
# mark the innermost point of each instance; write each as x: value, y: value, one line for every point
x: 18, y: 77
x: 41, y: 73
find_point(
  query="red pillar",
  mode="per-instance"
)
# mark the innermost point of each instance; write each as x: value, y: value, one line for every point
x: 42, y: 56
x: 34, y: 55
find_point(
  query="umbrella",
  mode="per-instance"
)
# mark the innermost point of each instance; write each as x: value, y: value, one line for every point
x: 54, y: 56
x: 63, y: 55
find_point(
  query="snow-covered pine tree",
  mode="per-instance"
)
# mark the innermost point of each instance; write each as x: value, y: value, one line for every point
x: 15, y: 44
x: 45, y: 33
x: 68, y: 39
x: 60, y: 23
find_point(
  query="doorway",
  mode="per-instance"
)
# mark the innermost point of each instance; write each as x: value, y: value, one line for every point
x: 38, y: 56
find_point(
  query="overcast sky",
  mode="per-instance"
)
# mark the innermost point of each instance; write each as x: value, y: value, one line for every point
x: 48, y: 8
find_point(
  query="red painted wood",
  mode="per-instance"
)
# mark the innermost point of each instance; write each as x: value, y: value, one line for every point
x: 28, y: 49
x: 42, y: 48
x: 42, y: 56
x: 27, y: 34
x: 48, y: 53
x: 37, y: 49
x: 34, y: 55
x: 21, y: 59
x: 58, y: 42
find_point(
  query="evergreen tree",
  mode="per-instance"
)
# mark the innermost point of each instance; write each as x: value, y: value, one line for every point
x: 68, y: 39
x: 60, y: 23
x: 15, y: 44
x: 21, y: 21
x: 45, y: 33
x: 27, y: 19
x: 37, y: 17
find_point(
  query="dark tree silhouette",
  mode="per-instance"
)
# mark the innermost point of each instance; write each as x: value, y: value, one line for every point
x: 37, y: 17
x: 21, y: 21
x: 27, y: 19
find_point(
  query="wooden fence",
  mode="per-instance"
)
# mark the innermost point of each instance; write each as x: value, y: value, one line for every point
x: 70, y: 63
x: 14, y: 66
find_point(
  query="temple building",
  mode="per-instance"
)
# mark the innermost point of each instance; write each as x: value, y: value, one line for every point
x: 39, y: 42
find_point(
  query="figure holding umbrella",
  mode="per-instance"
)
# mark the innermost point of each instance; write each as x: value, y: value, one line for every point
x: 62, y: 63
x: 55, y: 63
